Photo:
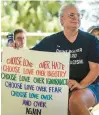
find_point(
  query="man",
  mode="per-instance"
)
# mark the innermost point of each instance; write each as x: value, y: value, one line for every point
x: 84, y: 49
x: 20, y: 38
x: 17, y: 39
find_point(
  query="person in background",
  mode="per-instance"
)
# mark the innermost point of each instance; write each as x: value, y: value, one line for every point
x: 10, y: 40
x: 20, y: 38
x: 94, y: 30
x: 84, y: 59
x: 17, y: 39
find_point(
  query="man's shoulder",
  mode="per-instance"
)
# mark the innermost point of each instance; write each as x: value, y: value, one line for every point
x: 87, y: 36
x: 48, y: 43
x: 54, y: 36
x: 88, y: 39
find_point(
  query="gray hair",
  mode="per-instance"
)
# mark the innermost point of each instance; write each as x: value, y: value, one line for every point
x: 61, y: 10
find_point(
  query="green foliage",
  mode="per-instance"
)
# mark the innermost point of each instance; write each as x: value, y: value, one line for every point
x: 31, y: 41
x: 33, y: 16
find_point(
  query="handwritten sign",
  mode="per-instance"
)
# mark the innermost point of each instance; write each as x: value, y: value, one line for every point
x: 34, y: 82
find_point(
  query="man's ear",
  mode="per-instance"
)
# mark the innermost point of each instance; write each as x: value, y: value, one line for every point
x: 61, y: 20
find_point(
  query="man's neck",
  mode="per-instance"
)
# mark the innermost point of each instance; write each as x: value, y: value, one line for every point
x: 71, y: 34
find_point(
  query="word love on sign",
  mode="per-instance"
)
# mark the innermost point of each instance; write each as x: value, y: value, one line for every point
x: 34, y: 82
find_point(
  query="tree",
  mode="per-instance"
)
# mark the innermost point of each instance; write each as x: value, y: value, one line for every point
x: 33, y: 16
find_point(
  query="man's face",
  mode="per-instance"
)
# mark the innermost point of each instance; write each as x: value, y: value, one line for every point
x: 20, y: 39
x: 71, y: 18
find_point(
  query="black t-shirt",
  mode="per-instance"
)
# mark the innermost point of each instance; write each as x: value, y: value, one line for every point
x: 85, y: 48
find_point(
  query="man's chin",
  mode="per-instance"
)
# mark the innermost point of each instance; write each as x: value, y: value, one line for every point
x: 74, y: 27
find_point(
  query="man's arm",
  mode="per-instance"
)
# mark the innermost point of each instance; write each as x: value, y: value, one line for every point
x: 92, y: 75
x: 90, y: 78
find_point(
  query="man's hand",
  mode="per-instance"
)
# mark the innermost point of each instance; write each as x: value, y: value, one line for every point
x: 16, y: 45
x: 73, y: 84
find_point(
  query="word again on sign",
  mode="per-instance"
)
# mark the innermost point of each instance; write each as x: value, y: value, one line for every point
x: 33, y: 111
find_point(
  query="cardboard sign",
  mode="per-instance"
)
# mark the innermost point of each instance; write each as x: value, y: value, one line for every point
x: 34, y: 82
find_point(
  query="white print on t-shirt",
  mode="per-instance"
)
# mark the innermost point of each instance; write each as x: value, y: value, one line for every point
x: 73, y: 55
x: 73, y: 62
x: 71, y: 51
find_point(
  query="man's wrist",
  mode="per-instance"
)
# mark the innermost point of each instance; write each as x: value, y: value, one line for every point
x: 84, y: 85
